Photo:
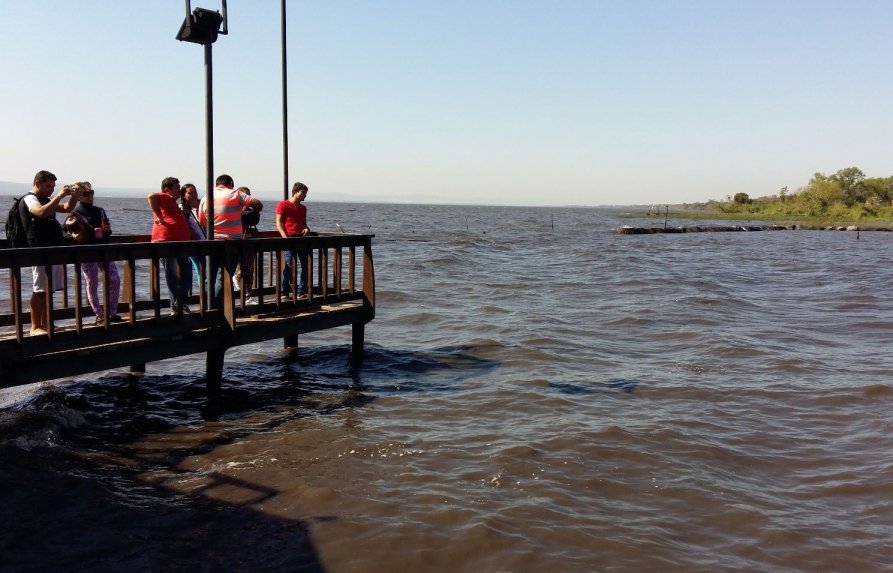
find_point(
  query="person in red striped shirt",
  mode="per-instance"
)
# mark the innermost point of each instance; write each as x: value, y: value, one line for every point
x: 227, y: 215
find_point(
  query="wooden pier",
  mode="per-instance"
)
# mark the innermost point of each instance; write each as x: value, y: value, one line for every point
x: 340, y: 292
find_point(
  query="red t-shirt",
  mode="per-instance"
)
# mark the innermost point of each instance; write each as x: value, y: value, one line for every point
x: 173, y: 225
x: 294, y: 217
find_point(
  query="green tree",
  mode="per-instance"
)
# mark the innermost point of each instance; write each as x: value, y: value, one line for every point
x: 742, y: 198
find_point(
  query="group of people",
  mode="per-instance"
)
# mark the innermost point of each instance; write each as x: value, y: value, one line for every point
x: 178, y: 215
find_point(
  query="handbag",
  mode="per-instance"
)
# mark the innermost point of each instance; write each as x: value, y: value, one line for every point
x: 77, y: 227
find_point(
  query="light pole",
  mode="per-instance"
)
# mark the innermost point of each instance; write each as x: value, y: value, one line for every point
x: 202, y: 26
x: 284, y: 109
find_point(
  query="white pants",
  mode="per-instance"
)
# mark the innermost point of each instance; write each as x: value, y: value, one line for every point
x: 38, y: 274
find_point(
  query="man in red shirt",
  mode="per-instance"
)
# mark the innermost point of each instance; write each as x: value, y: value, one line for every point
x: 291, y: 221
x: 169, y: 224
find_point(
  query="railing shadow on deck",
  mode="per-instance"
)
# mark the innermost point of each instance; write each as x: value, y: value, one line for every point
x: 340, y: 291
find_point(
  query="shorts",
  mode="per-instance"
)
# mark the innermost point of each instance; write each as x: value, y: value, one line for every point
x: 38, y: 274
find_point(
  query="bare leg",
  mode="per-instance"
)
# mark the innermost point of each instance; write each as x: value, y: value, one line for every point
x: 38, y: 311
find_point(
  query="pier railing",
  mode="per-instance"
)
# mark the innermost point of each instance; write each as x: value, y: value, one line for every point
x: 340, y: 291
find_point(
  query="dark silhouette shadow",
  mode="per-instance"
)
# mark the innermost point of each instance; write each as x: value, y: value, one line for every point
x: 45, y: 492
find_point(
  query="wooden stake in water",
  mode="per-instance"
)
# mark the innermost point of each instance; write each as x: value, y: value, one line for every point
x: 666, y: 217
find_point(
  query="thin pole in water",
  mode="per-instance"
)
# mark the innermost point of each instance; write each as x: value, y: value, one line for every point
x: 667, y: 217
x: 466, y: 222
x: 553, y: 221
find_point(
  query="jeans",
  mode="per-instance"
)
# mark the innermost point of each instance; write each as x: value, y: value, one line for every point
x: 286, y: 272
x: 230, y: 260
x: 178, y: 279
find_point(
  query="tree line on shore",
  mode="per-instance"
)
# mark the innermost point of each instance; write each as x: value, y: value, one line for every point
x: 846, y: 194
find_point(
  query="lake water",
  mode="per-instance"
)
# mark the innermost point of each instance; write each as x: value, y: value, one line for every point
x: 537, y: 394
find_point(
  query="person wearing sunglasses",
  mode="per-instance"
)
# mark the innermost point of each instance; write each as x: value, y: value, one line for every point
x: 98, y: 222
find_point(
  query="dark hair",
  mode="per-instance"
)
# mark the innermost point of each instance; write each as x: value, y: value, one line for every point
x: 298, y: 187
x: 43, y: 176
x: 224, y: 180
x: 184, y: 206
x: 169, y: 182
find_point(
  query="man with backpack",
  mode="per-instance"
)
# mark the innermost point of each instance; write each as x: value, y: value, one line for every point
x: 38, y: 216
x: 226, y: 210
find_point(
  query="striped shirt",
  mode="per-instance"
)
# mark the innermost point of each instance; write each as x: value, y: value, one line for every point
x: 228, y: 205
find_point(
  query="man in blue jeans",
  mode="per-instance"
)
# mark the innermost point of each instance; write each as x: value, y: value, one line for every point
x: 291, y: 221
x: 169, y: 224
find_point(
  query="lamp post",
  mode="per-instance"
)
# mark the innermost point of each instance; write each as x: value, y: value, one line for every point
x: 202, y: 26
x: 284, y: 110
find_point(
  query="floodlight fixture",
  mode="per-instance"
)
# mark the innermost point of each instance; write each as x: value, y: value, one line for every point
x: 201, y: 26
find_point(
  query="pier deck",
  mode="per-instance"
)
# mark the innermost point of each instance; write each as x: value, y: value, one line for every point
x: 341, y: 292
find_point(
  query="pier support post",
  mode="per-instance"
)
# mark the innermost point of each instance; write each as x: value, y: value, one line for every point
x: 137, y: 371
x: 358, y: 331
x: 291, y: 341
x: 214, y: 371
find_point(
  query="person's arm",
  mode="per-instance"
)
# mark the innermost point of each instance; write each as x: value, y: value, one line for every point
x: 202, y: 213
x: 280, y: 226
x: 106, y: 224
x: 254, y: 203
x: 72, y: 201
x: 155, y: 204
x: 50, y: 209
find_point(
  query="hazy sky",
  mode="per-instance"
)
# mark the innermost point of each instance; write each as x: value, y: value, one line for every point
x: 497, y: 102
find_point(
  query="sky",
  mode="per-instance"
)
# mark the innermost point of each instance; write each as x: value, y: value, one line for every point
x: 464, y: 102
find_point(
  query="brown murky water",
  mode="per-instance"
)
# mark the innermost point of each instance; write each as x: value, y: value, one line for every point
x: 531, y: 399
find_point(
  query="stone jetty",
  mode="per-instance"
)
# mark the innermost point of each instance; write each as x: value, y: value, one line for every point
x: 628, y: 230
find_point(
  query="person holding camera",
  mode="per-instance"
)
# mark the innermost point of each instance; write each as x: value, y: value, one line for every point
x: 44, y: 230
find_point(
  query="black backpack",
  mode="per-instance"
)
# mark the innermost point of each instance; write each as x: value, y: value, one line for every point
x: 16, y: 229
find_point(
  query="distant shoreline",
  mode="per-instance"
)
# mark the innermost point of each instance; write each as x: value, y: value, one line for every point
x: 802, y: 222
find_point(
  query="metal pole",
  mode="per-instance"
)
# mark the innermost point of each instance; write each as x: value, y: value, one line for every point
x: 209, y: 192
x: 284, y: 110
x: 209, y: 144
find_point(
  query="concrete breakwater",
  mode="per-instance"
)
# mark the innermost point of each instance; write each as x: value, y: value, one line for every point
x: 628, y: 230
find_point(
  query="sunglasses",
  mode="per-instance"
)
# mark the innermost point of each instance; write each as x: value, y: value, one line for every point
x: 87, y: 193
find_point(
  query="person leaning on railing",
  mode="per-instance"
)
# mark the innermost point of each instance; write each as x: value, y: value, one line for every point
x: 291, y: 221
x: 169, y: 224
x: 44, y: 230
x: 227, y: 215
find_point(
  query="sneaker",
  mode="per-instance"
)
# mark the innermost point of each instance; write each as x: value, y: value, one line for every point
x: 250, y: 300
x: 98, y: 321
x: 115, y: 318
x: 37, y: 332
x: 302, y: 297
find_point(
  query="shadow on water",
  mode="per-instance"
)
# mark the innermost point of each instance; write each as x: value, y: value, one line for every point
x: 441, y: 369
x: 74, y: 495
x: 623, y: 385
x: 57, y: 513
